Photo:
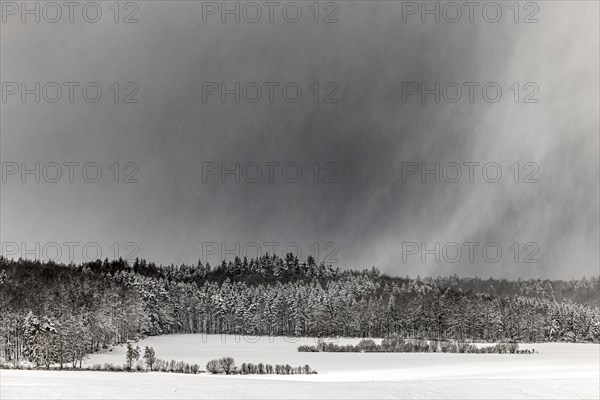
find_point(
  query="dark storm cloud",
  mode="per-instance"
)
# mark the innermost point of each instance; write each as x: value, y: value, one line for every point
x: 369, y: 134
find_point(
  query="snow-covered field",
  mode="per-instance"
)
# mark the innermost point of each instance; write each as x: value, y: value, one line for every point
x: 559, y: 370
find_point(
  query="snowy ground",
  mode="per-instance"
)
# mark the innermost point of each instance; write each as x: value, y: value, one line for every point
x: 557, y: 371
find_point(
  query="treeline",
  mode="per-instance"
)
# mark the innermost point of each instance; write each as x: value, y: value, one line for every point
x: 401, y: 345
x: 583, y: 291
x: 226, y: 365
x: 59, y: 313
x: 269, y: 270
x: 177, y: 367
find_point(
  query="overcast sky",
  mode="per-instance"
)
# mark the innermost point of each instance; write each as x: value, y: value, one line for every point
x: 362, y: 211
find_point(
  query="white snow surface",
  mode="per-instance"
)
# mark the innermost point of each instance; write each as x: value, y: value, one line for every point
x: 558, y: 370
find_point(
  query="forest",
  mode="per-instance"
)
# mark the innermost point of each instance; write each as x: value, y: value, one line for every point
x: 58, y: 314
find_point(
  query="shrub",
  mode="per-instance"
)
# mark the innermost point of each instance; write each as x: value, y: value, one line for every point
x: 227, y: 365
x: 461, y: 346
x: 471, y: 348
x: 214, y: 367
x: 501, y: 348
x: 307, y: 349
x: 392, y: 344
x: 367, y: 345
x: 448, y: 347
x: 434, y: 345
